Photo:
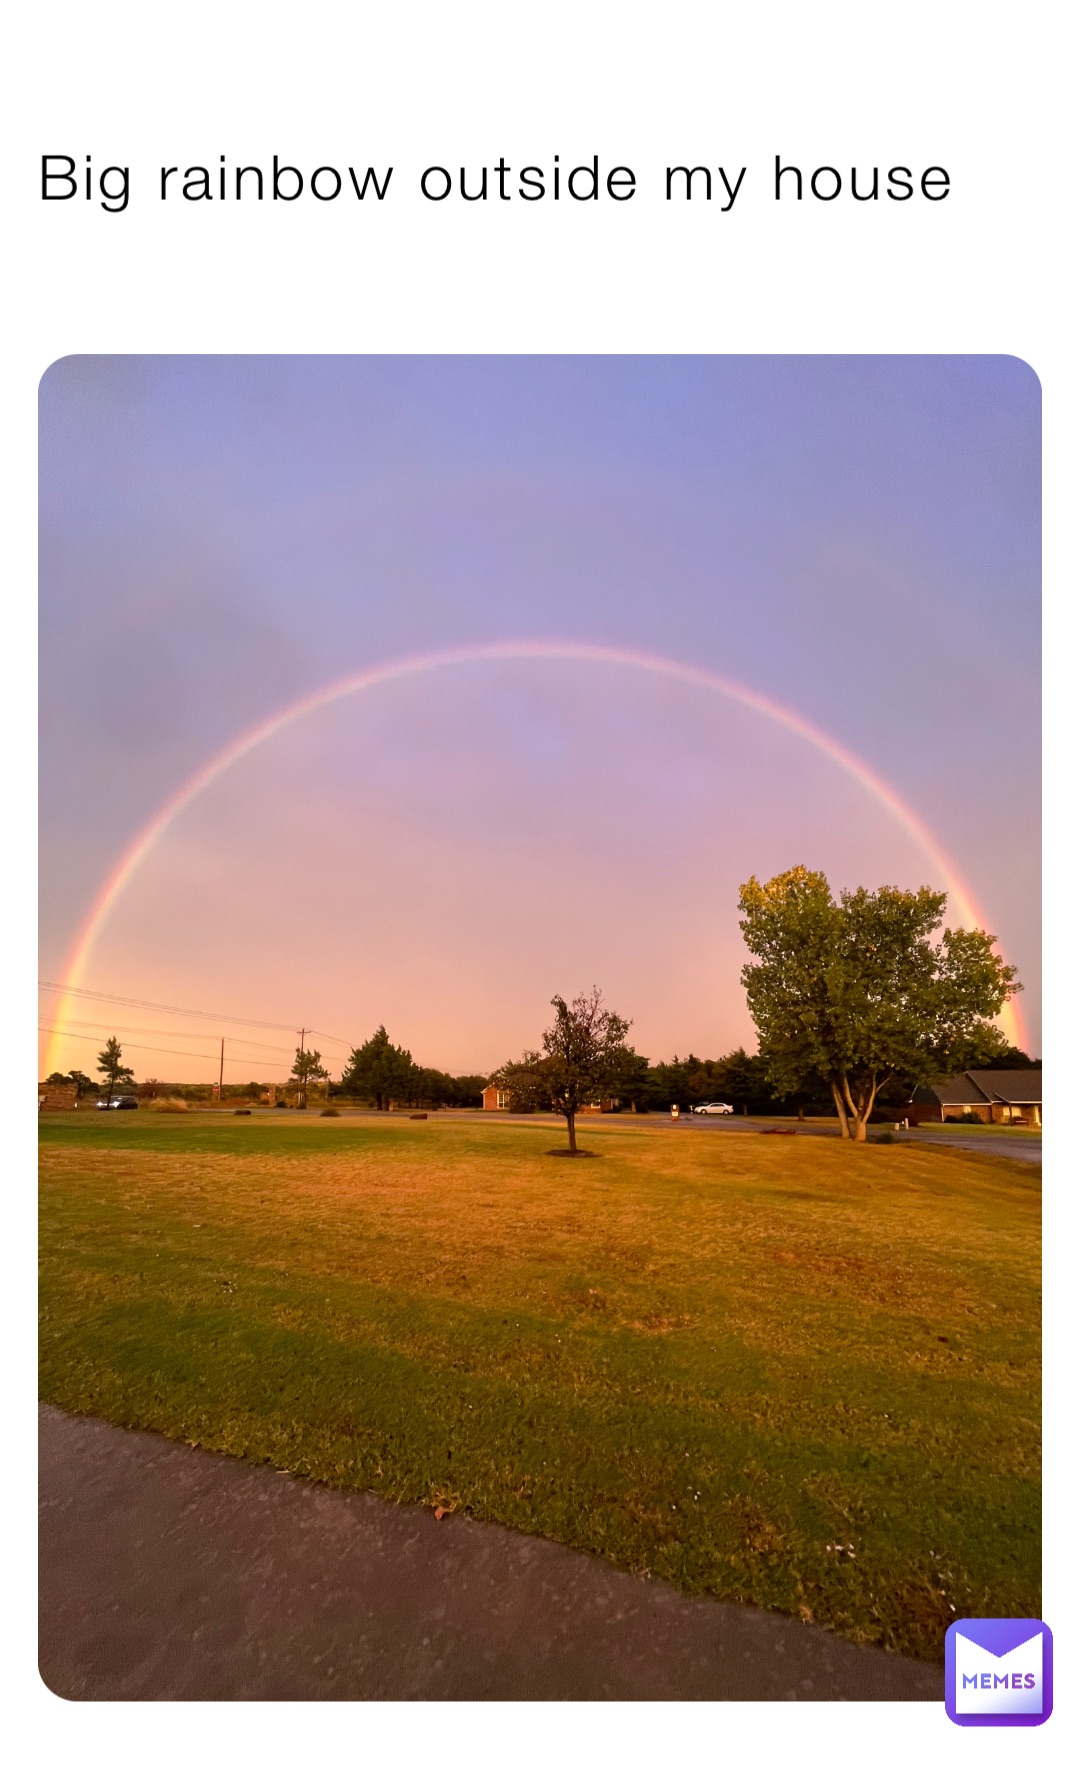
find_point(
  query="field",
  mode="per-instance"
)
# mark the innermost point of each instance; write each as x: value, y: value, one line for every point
x: 780, y: 1370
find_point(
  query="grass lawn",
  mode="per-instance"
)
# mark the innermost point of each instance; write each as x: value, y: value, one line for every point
x: 708, y: 1358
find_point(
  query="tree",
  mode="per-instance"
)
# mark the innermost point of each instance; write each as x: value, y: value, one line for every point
x: 637, y: 1082
x: 307, y: 1068
x: 466, y: 1091
x: 863, y: 990
x: 83, y: 1084
x: 743, y: 1081
x: 584, y: 1057
x: 687, y: 1082
x: 113, y: 1069
x: 380, y: 1071
x: 436, y: 1088
x: 1012, y: 1058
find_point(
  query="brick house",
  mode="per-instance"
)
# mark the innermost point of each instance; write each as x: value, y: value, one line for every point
x: 997, y: 1097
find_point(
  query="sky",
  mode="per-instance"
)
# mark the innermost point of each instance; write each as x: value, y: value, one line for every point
x: 854, y: 539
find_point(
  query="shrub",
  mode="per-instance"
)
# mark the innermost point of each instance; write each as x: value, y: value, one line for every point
x: 167, y: 1104
x: 329, y: 1113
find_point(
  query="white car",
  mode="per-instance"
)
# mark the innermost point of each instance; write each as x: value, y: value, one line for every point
x: 713, y: 1107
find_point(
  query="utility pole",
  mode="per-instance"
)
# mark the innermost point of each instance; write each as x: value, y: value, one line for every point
x: 301, y: 1093
x: 221, y: 1068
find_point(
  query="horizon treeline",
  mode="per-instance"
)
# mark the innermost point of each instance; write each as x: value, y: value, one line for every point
x: 379, y: 1073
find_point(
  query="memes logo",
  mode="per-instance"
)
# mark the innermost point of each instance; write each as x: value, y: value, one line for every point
x: 999, y: 1672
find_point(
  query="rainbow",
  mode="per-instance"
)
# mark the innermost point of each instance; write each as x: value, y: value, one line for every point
x: 557, y: 651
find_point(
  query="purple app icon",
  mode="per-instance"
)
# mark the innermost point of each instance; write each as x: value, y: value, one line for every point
x: 999, y: 1672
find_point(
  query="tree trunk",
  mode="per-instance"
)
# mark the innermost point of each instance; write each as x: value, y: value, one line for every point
x: 841, y: 1110
x: 570, y: 1130
x: 862, y: 1117
x: 861, y: 1109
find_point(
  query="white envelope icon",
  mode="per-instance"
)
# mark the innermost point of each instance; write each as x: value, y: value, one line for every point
x: 1005, y: 1684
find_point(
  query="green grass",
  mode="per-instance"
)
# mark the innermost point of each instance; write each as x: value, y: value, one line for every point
x: 708, y: 1358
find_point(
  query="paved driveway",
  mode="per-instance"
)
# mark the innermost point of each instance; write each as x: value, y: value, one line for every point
x: 168, y: 1572
x: 1020, y: 1145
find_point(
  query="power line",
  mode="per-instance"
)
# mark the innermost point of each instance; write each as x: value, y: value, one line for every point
x: 171, y: 1008
x: 130, y: 1045
x: 112, y: 1027
x: 92, y: 1039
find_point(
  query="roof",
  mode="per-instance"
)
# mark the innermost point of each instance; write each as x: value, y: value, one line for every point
x: 1023, y: 1088
x: 959, y: 1091
x: 975, y: 1088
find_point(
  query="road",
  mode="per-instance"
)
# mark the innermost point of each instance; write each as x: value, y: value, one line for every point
x: 169, y: 1572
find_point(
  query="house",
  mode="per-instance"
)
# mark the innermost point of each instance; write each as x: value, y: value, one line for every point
x: 997, y: 1097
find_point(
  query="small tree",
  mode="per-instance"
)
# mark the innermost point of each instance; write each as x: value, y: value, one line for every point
x: 861, y: 991
x: 584, y: 1056
x: 307, y: 1068
x: 113, y: 1069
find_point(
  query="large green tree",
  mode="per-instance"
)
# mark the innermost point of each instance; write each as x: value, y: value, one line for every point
x: 861, y: 990
x: 584, y: 1057
x: 113, y: 1069
x: 380, y: 1071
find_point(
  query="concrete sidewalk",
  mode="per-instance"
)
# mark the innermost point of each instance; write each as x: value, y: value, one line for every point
x: 168, y: 1572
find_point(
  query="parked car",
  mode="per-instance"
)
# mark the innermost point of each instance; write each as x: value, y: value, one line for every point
x: 119, y: 1101
x: 713, y: 1107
